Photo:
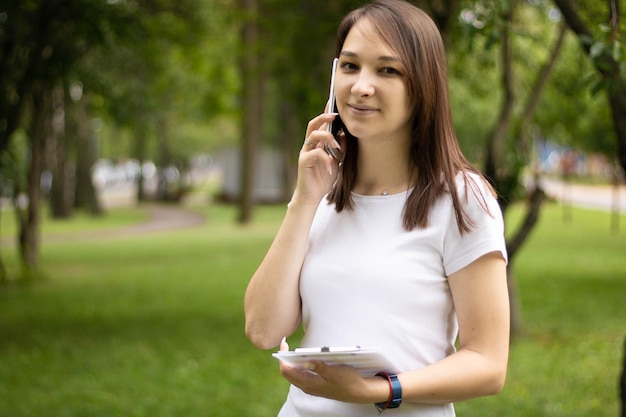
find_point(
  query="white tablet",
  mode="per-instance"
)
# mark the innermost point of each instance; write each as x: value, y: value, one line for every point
x: 368, y: 361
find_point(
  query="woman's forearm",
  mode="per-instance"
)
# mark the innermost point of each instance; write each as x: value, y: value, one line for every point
x: 464, y: 375
x: 272, y: 299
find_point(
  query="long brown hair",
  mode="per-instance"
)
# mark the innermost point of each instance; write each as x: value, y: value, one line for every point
x: 435, y: 155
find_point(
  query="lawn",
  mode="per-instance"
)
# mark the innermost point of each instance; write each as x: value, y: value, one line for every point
x: 152, y: 325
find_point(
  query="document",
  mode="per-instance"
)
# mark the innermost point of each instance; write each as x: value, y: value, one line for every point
x: 368, y: 361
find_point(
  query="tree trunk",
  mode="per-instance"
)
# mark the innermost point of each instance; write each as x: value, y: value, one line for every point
x: 252, y: 102
x: 62, y: 186
x: 140, y: 154
x: 288, y: 133
x: 30, y: 215
x: 165, y: 151
x: 616, y: 178
x: 444, y: 13
x: 494, y: 163
x: 85, y: 196
x: 617, y: 100
x: 535, y: 200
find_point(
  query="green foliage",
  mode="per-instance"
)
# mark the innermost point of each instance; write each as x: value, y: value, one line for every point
x: 148, y: 64
x: 608, y: 54
x: 165, y: 87
x: 111, y: 331
x: 41, y: 42
x: 174, y: 64
x: 568, y: 112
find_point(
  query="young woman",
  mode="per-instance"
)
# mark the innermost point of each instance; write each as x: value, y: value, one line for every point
x: 399, y: 246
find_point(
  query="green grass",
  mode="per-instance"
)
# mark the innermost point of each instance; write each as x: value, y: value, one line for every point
x: 80, y: 222
x: 152, y: 325
x: 571, y: 278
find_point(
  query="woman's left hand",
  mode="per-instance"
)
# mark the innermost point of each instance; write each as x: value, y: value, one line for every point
x: 337, y: 382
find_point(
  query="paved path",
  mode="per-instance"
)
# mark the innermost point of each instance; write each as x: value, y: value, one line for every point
x: 599, y: 197
x: 162, y: 217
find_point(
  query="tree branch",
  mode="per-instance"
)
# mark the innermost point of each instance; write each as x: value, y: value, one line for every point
x: 536, y: 198
x: 537, y: 90
x: 575, y: 22
x: 497, y: 136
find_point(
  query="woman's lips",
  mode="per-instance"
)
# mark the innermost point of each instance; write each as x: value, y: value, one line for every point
x: 362, y: 110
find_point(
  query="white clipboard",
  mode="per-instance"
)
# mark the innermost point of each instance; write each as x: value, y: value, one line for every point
x: 368, y: 361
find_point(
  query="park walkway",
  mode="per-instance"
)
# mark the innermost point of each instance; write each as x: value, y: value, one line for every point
x: 598, y: 197
x: 162, y: 217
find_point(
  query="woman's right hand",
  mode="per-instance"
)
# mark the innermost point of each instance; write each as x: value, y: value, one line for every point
x: 317, y: 171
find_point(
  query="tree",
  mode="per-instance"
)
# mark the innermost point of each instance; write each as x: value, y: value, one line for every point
x: 58, y: 157
x: 42, y: 44
x: 518, y: 33
x: 30, y: 217
x: 158, y: 95
x: 39, y: 42
x: 252, y: 86
x: 608, y: 55
x: 80, y: 127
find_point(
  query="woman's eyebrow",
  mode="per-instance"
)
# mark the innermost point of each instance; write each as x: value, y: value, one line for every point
x: 386, y: 58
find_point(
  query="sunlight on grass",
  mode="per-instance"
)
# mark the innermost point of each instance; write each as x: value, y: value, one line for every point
x: 152, y: 325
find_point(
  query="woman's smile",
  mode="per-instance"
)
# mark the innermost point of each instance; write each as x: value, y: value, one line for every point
x: 362, y: 110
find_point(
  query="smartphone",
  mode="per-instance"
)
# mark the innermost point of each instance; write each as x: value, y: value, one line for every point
x: 331, y: 108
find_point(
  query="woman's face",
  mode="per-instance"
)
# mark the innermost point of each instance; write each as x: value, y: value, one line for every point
x: 370, y: 87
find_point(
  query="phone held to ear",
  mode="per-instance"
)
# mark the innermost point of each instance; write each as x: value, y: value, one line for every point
x: 331, y: 108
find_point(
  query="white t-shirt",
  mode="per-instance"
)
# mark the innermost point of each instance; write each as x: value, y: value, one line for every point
x: 368, y: 282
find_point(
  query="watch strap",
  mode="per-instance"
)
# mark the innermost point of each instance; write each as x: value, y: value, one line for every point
x: 395, y: 392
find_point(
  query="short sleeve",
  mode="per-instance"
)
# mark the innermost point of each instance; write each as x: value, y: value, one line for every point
x: 487, y: 233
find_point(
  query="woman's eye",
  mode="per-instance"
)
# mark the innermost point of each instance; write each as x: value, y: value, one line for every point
x: 390, y: 71
x: 348, y: 66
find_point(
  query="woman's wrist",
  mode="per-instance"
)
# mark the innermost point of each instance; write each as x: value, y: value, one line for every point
x: 378, y: 391
x: 305, y: 197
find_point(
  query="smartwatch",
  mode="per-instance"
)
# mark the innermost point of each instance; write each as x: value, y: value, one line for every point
x: 395, y: 392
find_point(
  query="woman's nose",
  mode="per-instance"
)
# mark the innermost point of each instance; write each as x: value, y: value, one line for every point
x: 363, y: 85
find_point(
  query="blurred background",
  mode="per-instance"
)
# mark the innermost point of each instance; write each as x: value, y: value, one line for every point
x: 114, y: 102
x: 109, y: 105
